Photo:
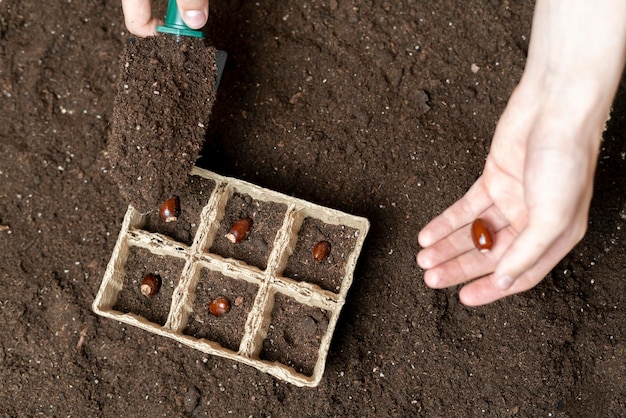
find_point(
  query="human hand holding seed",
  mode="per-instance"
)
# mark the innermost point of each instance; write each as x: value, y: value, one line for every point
x: 537, y: 184
x: 140, y: 22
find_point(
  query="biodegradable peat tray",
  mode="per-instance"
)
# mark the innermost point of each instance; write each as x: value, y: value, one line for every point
x: 271, y: 300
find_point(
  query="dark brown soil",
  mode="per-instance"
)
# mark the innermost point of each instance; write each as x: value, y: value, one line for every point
x: 294, y: 334
x: 329, y: 272
x: 194, y: 196
x: 141, y: 262
x: 226, y: 329
x: 254, y: 250
x: 368, y: 107
x: 165, y: 93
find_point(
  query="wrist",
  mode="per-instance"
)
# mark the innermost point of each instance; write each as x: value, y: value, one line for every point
x: 577, y: 49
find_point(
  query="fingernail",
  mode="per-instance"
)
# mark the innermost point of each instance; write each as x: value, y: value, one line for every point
x: 504, y: 282
x: 195, y: 19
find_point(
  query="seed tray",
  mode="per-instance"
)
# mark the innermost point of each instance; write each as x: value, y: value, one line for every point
x: 250, y: 333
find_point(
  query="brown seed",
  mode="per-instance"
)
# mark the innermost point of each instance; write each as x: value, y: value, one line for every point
x: 170, y: 209
x: 219, y: 306
x: 321, y: 251
x: 239, y: 231
x: 150, y: 284
x: 481, y: 235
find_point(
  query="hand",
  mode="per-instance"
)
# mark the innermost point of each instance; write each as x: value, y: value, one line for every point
x: 537, y: 184
x: 140, y: 22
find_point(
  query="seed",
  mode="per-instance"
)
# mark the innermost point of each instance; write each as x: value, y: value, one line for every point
x: 150, y: 284
x: 170, y: 210
x: 239, y: 231
x: 481, y: 235
x: 219, y: 306
x: 321, y: 250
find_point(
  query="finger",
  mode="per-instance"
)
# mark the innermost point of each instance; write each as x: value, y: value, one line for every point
x: 194, y: 12
x: 459, y: 241
x: 471, y: 264
x: 484, y: 290
x: 459, y: 270
x: 138, y: 17
x: 553, y: 228
x: 524, y: 253
x: 445, y: 249
x: 520, y: 259
x: 535, y: 252
x: 462, y: 212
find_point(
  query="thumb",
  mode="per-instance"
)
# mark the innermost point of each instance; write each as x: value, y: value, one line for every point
x: 533, y: 246
x: 195, y: 13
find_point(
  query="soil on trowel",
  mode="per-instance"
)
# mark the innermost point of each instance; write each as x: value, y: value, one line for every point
x: 165, y: 94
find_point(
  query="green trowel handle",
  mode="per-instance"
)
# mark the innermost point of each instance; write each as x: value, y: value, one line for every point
x: 174, y: 24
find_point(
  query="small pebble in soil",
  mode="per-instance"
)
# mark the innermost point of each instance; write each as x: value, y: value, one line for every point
x: 481, y: 235
x: 219, y: 306
x: 239, y: 231
x: 192, y: 397
x: 309, y: 326
x: 150, y: 284
x: 170, y: 209
x: 321, y: 251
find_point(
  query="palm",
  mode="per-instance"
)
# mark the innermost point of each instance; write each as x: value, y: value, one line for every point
x: 520, y: 194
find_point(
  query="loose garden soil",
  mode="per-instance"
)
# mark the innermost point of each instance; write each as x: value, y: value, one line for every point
x: 380, y: 109
x: 165, y: 94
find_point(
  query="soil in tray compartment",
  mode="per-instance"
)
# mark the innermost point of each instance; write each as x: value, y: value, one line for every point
x: 228, y: 328
x: 329, y: 272
x: 294, y: 334
x: 267, y: 219
x: 139, y: 263
x: 193, y: 198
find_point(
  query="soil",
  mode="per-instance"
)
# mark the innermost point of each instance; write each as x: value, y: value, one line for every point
x: 194, y: 197
x: 379, y: 109
x: 328, y: 272
x: 226, y: 329
x: 254, y: 250
x: 165, y: 94
x: 141, y: 262
x: 294, y: 334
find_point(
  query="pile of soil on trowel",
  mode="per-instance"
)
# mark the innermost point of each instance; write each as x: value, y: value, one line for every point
x: 165, y: 94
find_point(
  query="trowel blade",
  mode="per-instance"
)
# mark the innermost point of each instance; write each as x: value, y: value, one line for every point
x: 220, y: 58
